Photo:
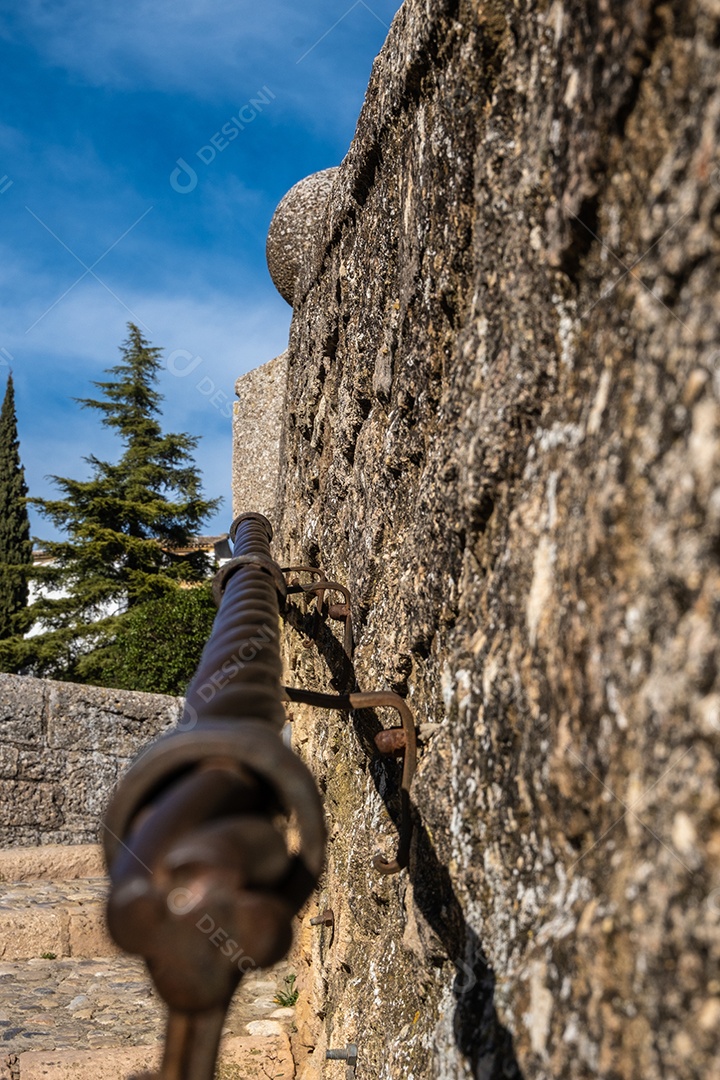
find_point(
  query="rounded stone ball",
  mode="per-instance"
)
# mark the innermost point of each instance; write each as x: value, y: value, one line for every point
x: 293, y: 229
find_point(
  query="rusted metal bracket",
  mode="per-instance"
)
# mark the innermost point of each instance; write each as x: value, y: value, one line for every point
x: 374, y: 700
x: 341, y: 612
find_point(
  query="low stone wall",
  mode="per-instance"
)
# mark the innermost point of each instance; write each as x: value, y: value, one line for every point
x: 62, y: 749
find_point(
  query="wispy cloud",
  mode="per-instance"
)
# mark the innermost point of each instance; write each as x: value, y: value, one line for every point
x: 199, y: 47
x: 12, y: 139
x: 101, y: 103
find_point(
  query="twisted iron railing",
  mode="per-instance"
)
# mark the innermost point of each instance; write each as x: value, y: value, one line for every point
x: 192, y: 838
x: 204, y: 884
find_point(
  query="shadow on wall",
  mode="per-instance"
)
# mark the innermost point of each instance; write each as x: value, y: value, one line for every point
x: 479, y: 1034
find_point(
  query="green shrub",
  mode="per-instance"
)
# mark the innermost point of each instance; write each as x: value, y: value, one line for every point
x: 157, y: 645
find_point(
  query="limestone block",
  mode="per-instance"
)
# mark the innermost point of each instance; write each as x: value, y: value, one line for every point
x: 51, y: 862
x: 21, y: 710
x: 29, y: 933
x: 245, y: 1057
x: 91, y: 779
x: 87, y: 933
x: 62, y: 749
x: 88, y: 1064
x: 39, y: 765
x: 257, y: 423
x: 256, y: 1056
x: 8, y: 762
x: 113, y: 721
x: 26, y: 803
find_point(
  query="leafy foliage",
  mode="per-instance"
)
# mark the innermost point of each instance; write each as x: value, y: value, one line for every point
x: 287, y: 997
x: 157, y: 645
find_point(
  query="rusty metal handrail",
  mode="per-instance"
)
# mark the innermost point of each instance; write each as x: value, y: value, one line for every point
x: 203, y: 885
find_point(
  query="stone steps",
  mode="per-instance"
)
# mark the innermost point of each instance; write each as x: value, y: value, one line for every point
x: 246, y: 1058
x: 51, y: 862
x: 63, y: 918
x: 72, y: 1006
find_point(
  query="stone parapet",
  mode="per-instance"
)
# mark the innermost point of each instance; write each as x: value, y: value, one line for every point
x: 63, y: 748
x: 503, y: 436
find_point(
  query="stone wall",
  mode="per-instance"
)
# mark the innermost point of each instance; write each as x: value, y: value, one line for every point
x: 62, y: 749
x: 502, y: 435
x: 257, y: 424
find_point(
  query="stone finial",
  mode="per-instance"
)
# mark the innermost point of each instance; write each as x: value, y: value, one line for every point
x: 293, y: 229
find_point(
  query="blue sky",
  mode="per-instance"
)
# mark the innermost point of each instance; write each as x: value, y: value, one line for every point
x: 101, y: 103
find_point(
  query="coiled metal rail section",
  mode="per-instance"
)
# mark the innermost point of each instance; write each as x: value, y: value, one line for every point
x: 196, y: 834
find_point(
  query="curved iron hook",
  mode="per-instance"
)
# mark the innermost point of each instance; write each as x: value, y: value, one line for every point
x: 372, y: 700
x: 335, y: 611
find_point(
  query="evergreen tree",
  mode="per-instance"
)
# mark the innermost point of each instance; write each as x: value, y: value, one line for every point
x: 15, y: 545
x: 125, y: 529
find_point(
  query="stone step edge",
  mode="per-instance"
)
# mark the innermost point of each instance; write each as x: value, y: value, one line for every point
x: 61, y: 931
x: 247, y: 1056
x: 51, y: 862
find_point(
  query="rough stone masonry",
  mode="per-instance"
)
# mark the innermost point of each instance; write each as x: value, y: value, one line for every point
x: 502, y: 434
x: 63, y: 748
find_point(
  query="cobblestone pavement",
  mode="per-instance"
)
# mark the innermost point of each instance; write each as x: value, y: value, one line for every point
x: 51, y: 894
x: 92, y: 1004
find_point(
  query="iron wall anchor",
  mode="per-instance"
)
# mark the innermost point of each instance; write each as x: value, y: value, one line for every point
x: 327, y: 918
x: 374, y: 700
x: 349, y: 1055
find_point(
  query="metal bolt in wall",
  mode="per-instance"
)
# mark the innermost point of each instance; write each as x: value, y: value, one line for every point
x: 349, y: 1054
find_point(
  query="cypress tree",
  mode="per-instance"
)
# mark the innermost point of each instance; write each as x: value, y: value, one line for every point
x: 124, y: 527
x: 15, y: 545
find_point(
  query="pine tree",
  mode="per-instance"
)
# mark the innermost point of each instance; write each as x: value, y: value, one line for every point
x: 15, y: 545
x: 123, y: 528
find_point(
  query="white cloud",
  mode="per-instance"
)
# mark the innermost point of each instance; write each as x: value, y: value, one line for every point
x: 207, y: 342
x: 160, y: 43
x: 190, y: 275
x: 212, y: 48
